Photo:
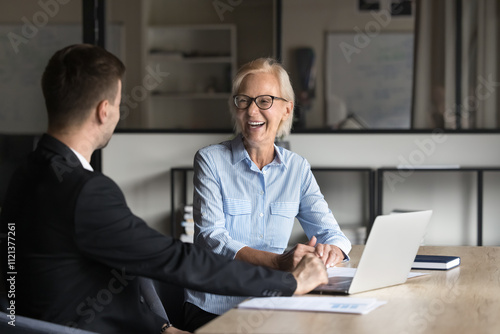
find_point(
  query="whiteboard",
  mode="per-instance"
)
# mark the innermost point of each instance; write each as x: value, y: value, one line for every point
x: 22, y: 107
x: 370, y: 77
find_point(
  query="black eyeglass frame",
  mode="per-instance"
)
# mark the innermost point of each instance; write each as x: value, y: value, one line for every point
x: 254, y: 99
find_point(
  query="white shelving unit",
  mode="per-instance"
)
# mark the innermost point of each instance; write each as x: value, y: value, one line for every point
x: 200, y: 61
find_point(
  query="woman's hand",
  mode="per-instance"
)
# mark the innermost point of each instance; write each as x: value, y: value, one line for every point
x: 330, y: 255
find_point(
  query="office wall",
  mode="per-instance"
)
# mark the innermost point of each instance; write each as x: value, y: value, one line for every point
x: 305, y: 24
x: 14, y: 11
x: 140, y: 163
x: 32, y: 18
x: 30, y: 34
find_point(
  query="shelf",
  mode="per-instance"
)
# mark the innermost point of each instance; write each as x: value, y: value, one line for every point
x: 200, y: 61
x: 195, y: 96
x: 399, y: 175
x: 211, y: 41
x: 166, y: 56
x: 190, y: 27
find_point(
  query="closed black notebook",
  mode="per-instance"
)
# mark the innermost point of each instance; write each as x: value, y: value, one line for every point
x: 438, y: 262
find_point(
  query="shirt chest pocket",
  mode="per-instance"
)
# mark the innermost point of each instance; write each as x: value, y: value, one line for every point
x: 238, y: 218
x: 284, y: 209
x: 237, y: 207
x: 282, y: 216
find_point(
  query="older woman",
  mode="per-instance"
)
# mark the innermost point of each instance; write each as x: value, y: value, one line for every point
x: 248, y: 191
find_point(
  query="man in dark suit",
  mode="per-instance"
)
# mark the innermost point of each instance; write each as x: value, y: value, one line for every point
x: 78, y: 247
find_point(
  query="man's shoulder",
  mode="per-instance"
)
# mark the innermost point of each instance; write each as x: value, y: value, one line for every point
x: 63, y: 167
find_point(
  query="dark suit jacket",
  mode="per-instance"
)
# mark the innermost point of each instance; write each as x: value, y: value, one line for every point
x: 78, y: 249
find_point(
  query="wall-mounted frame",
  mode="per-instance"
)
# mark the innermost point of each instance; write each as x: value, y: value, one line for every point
x: 368, y: 80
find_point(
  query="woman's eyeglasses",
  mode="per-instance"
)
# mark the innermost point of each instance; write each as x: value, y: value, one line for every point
x: 263, y: 102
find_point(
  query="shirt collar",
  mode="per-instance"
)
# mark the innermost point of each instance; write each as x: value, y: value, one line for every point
x: 83, y: 161
x: 240, y: 153
x: 238, y: 149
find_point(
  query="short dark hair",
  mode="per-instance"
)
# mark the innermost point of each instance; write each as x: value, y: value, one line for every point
x: 76, y: 79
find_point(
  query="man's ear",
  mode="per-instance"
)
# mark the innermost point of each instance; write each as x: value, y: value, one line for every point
x: 102, y: 111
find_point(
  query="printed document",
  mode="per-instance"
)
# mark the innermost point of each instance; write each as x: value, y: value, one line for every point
x: 314, y: 304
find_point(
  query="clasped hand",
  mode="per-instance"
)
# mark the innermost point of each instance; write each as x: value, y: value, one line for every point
x: 330, y: 255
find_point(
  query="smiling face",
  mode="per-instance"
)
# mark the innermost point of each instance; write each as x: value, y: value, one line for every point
x: 259, y: 127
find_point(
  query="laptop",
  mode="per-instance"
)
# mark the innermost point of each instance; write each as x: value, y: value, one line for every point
x: 388, y: 254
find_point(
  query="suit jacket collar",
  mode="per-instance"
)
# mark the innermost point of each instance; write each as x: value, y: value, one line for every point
x: 49, y: 143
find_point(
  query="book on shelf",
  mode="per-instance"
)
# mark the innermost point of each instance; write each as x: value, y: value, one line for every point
x: 187, y: 224
x: 436, y: 262
x: 188, y: 227
x: 187, y: 238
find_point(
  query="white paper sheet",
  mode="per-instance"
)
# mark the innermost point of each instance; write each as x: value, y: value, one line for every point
x: 314, y: 304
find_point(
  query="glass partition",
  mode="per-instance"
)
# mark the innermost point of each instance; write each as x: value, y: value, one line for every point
x: 32, y: 31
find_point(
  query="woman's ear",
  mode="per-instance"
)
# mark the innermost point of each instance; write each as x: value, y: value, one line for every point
x: 288, y: 111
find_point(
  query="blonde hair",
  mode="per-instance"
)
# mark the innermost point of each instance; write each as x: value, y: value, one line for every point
x: 265, y: 65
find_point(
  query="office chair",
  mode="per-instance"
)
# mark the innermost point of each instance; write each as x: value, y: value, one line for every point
x: 172, y: 299
x: 26, y: 325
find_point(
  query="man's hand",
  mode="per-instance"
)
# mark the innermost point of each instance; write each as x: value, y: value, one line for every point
x: 289, y: 260
x: 173, y: 330
x: 309, y: 273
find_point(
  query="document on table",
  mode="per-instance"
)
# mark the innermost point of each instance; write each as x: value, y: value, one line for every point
x: 314, y: 304
x: 349, y: 272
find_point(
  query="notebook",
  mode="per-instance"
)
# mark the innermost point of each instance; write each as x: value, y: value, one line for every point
x: 388, y: 254
x: 435, y: 262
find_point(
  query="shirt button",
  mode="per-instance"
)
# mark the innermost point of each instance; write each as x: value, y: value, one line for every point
x: 262, y: 192
x: 261, y: 214
x: 261, y: 236
x: 264, y: 172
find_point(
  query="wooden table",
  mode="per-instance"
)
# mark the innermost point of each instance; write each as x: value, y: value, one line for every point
x: 465, y: 299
